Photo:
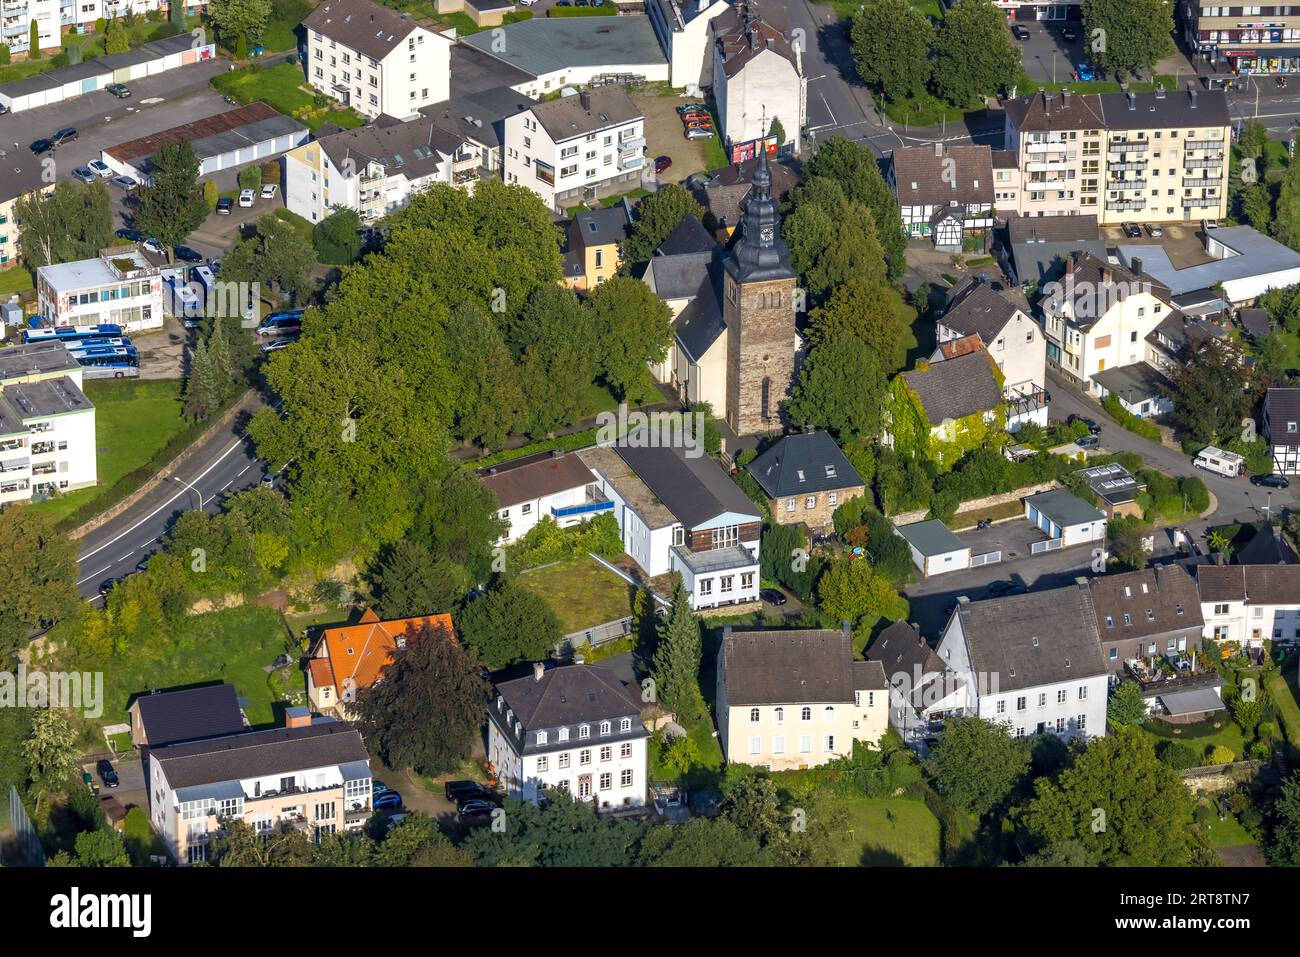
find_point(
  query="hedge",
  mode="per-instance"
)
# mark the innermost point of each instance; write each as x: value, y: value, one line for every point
x: 1115, y: 409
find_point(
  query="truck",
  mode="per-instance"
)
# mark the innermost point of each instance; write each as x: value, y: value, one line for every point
x: 1220, y: 462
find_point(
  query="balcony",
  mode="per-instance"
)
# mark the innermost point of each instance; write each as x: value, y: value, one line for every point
x: 1203, y: 182
x: 1203, y: 145
x: 593, y: 503
x: 1122, y: 184
x: 1130, y: 167
x: 10, y: 488
x: 631, y: 162
x: 14, y: 465
x: 1128, y: 147
x: 1049, y: 147
x: 1126, y: 205
x: 1036, y: 166
x: 635, y: 143
x: 49, y: 468
x: 1201, y: 202
x: 42, y: 448
x: 715, y: 559
x: 1211, y: 162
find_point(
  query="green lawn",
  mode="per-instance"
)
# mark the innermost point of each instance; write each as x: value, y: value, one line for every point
x: 283, y: 88
x: 708, y: 772
x: 1218, y: 730
x: 15, y: 279
x: 1281, y: 688
x: 888, y: 832
x: 1227, y: 833
x: 134, y: 420
x: 582, y: 592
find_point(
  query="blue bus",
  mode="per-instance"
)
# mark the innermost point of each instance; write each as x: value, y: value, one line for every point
x: 70, y: 334
x: 286, y: 322
x: 120, y: 364
x: 101, y: 349
x: 116, y: 342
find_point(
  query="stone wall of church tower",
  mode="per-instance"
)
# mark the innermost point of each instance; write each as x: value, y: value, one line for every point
x: 761, y: 342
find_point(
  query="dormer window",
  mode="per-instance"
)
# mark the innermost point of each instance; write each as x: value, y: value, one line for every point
x: 1128, y: 592
x: 501, y: 702
x: 510, y: 716
x: 604, y: 727
x: 830, y: 471
x: 1144, y: 588
x: 563, y: 734
x: 1035, y: 641
x: 584, y: 731
x: 1151, y: 615
x: 625, y: 724
x: 541, y: 737
x: 799, y: 472
x: 1110, y: 622
x: 519, y: 730
x: 1128, y: 619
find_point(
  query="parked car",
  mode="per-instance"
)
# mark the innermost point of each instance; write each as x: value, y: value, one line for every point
x: 662, y: 163
x: 65, y: 135
x: 246, y: 197
x: 1083, y: 73
x: 772, y: 596
x: 698, y: 133
x: 100, y: 169
x: 1093, y: 427
x: 275, y: 345
x: 106, y: 773
x: 131, y: 235
x: 142, y: 565
x: 1208, y: 224
x: 378, y: 787
x: 187, y: 255
x: 1003, y: 587
x: 126, y: 183
x: 1132, y: 230
x: 224, y: 205
x: 84, y: 173
x: 457, y: 791
x: 119, y: 90
x: 42, y: 146
x: 106, y: 586
x: 1270, y: 481
x: 692, y: 108
x: 1019, y: 32
x: 1088, y: 442
x: 388, y: 801
x: 475, y: 812
x: 154, y: 246
x: 269, y: 190
x: 1154, y: 231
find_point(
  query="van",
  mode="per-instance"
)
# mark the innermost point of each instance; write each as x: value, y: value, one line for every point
x: 1220, y: 462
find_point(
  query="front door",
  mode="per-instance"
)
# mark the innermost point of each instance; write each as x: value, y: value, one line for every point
x: 584, y: 787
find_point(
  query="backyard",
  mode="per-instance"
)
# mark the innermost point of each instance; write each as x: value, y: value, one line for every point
x: 283, y: 87
x: 1202, y: 735
x: 887, y: 832
x: 582, y: 592
x: 92, y: 47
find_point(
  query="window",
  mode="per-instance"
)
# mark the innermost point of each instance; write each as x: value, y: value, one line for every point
x: 606, y: 781
x: 1221, y: 609
x: 1042, y: 699
x: 830, y: 744
x: 606, y: 754
x: 625, y: 749
x: 541, y: 765
x: 526, y: 508
x: 1001, y: 707
x: 805, y: 714
x: 584, y: 731
x: 778, y: 745
x: 810, y: 502
x: 1081, y: 721
x: 541, y: 737
x: 325, y: 812
x: 755, y: 745
x: 789, y: 505
x: 625, y: 778
x: 584, y: 756
x: 625, y: 725
x: 829, y: 713
x: 1020, y: 704
x: 706, y: 586
x: 563, y: 761
x: 746, y: 580
x: 726, y: 581
x: 604, y: 727
x: 564, y: 734
x: 805, y: 744
x: 679, y: 536
x: 726, y: 537
x: 753, y: 714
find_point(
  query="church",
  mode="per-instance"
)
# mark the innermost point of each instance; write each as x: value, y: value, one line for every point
x: 735, y: 343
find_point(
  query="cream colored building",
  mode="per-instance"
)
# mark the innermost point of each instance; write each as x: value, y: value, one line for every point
x: 1057, y: 139
x: 796, y: 699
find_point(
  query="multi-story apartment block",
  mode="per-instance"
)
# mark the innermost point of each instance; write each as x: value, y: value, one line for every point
x: 47, y: 425
x: 120, y: 287
x: 374, y: 59
x: 576, y: 147
x: 682, y: 28
x: 1057, y: 141
x: 551, y: 485
x: 1282, y: 428
x: 312, y: 775
x: 1250, y: 604
x: 577, y: 728
x: 796, y: 699
x: 1243, y: 39
x: 53, y: 17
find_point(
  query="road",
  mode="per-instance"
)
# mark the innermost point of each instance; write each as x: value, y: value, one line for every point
x: 222, y: 464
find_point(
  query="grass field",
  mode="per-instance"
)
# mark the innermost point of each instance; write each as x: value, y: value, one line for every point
x: 1227, y: 833
x: 282, y: 88
x: 583, y: 593
x: 134, y: 419
x: 885, y: 832
x: 15, y: 279
x: 1202, y: 735
x: 1281, y: 687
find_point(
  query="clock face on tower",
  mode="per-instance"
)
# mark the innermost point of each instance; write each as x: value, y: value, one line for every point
x: 765, y: 234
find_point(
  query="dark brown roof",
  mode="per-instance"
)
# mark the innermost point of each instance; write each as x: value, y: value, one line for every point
x: 570, y: 116
x: 792, y: 667
x: 1006, y: 159
x: 189, y: 132
x: 1096, y: 285
x: 534, y: 476
x: 1280, y: 407
x: 956, y: 388
x: 1256, y: 584
x: 740, y: 39
x: 1157, y: 600
x: 1043, y: 112
x: 569, y: 695
x: 977, y: 309
x: 938, y: 175
x: 360, y: 25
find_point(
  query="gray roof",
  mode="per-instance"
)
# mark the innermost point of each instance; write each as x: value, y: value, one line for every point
x: 413, y: 149
x: 1161, y: 111
x: 260, y: 753
x: 688, y: 236
x: 565, y: 697
x: 188, y: 714
x: 46, y: 397
x: 678, y: 277
x: 480, y: 115
x: 1255, y: 322
x: 155, y: 50
x: 1156, y: 600
x: 1137, y: 380
x: 801, y: 463
x: 956, y: 387
x: 700, y: 323
x: 1194, y: 701
x: 794, y: 667
x: 1282, y: 405
x: 360, y: 25
x: 1052, y: 229
x: 1257, y: 255
x: 975, y: 308
x: 1268, y: 547
x: 1033, y: 639
x: 931, y: 537
x: 1256, y: 584
x: 546, y: 45
x: 907, y: 658
x: 567, y: 117
x: 598, y: 227
x: 693, y: 488
x: 1064, y: 508
x: 33, y: 359
x: 473, y: 71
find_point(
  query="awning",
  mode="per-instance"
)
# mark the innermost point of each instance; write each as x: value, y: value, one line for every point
x: 1196, y: 701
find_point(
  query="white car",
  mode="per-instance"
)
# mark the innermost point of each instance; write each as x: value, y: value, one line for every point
x: 100, y: 169
x: 269, y: 190
x: 246, y: 197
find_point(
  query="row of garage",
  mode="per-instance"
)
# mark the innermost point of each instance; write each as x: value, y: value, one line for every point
x: 147, y: 60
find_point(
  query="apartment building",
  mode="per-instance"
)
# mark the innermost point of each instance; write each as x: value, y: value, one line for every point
x: 1250, y: 604
x: 120, y: 287
x: 312, y: 775
x: 758, y: 77
x: 682, y: 28
x: 374, y: 169
x: 47, y: 425
x: 53, y: 17
x: 796, y: 699
x: 576, y: 728
x: 1057, y: 141
x: 375, y: 60
x: 1243, y: 39
x: 576, y: 148
x: 551, y: 485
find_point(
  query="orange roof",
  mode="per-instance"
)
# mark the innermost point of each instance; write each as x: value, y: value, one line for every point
x: 322, y: 675
x: 960, y: 347
x: 359, y: 653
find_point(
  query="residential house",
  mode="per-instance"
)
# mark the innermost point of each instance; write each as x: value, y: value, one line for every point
x: 553, y: 484
x: 160, y: 718
x: 1006, y: 181
x: 796, y: 699
x: 1014, y: 341
x: 1115, y: 488
x: 1282, y: 428
x: 120, y: 287
x: 935, y: 549
x: 1139, y: 388
x: 679, y: 512
x: 683, y: 30
x: 1056, y: 139
x: 1145, y: 614
x: 1032, y: 662
x: 47, y: 425
x: 1267, y: 547
x: 478, y: 119
x: 576, y: 728
x: 1250, y: 604
x: 939, y: 179
x: 941, y: 410
x: 1040, y: 245
x: 806, y: 478
x: 591, y: 246
x: 1239, y: 266
x: 312, y: 775
x: 374, y: 59
x: 923, y: 691
x: 347, y: 660
x: 1065, y: 517
x: 576, y: 148
x: 758, y: 77
x: 52, y: 17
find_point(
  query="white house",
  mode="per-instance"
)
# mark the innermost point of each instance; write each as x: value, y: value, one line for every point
x: 679, y: 512
x: 375, y: 60
x: 682, y: 27
x: 47, y: 425
x: 934, y: 548
x: 576, y: 147
x: 1032, y: 662
x: 52, y: 17
x: 1250, y: 604
x: 551, y: 484
x: 923, y: 691
x: 1066, y: 518
x: 929, y: 180
x: 119, y: 287
x: 796, y: 699
x: 577, y: 728
x: 1282, y: 429
x: 758, y: 77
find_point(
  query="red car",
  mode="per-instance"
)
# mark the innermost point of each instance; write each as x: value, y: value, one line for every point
x: 662, y: 163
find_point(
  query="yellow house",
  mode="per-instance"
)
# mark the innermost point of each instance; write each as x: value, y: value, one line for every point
x: 591, y: 254
x: 797, y: 699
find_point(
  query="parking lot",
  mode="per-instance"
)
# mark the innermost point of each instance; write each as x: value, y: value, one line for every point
x: 1183, y: 243
x: 663, y: 136
x: 1011, y: 538
x: 1047, y: 56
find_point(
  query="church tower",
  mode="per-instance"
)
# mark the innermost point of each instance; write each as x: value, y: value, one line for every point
x: 758, y: 301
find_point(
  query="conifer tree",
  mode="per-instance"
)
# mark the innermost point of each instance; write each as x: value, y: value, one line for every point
x: 676, y: 667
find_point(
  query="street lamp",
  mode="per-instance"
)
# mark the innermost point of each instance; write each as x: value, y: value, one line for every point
x: 177, y: 478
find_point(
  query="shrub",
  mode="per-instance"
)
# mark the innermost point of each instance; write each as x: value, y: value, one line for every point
x: 1267, y: 731
x: 1204, y: 814
x: 1238, y: 801
x: 1260, y: 751
x: 250, y: 177
x: 1219, y: 754
x: 1178, y: 755
x: 1115, y: 409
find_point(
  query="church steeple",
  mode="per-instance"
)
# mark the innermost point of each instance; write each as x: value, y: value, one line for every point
x: 761, y: 253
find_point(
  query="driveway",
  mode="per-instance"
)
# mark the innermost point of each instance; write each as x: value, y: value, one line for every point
x: 130, y: 774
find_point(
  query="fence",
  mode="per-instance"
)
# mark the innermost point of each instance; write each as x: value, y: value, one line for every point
x: 1051, y: 545
x: 29, y: 845
x: 988, y: 558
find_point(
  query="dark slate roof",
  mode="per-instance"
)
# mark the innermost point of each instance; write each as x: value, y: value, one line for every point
x: 801, y: 463
x: 1052, y: 229
x: 931, y: 537
x: 1137, y: 380
x: 1282, y: 406
x: 534, y: 476
x: 678, y: 277
x: 1268, y: 547
x: 1033, y: 639
x: 1157, y: 600
x: 360, y: 25
x: 928, y: 167
x: 569, y: 695
x: 478, y: 116
x: 1255, y: 322
x: 693, y: 488
x: 1256, y: 584
x: 474, y: 71
x: 975, y: 308
x: 700, y: 323
x: 170, y: 717
x: 907, y: 660
x: 1043, y: 112
x: 956, y: 387
x: 689, y: 236
x: 1064, y: 507
x: 600, y: 227
x: 260, y: 753
x: 793, y: 667
x: 1157, y: 111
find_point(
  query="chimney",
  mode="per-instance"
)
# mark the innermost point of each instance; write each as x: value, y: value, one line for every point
x: 1132, y: 100
x: 938, y: 149
x: 1137, y: 266
x: 584, y: 98
x: 1106, y: 275
x: 846, y: 629
x: 1065, y: 98
x: 963, y: 599
x: 297, y: 717
x: 1191, y: 92
x: 539, y: 670
x: 1069, y: 265
x: 1081, y: 581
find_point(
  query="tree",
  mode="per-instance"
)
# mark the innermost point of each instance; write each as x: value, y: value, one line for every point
x: 891, y: 48
x: 1247, y: 712
x: 508, y: 624
x: 428, y: 708
x: 1126, y: 707
x: 851, y: 590
x: 976, y: 763
x: 832, y: 239
x: 702, y: 842
x: 1283, y: 845
x: 1128, y: 35
x: 237, y: 20
x: 1209, y: 393
x: 865, y: 311
x: 201, y: 389
x: 1286, y: 218
x: 70, y: 222
x: 1128, y: 536
x: 490, y: 401
x: 973, y: 53
x: 857, y: 170
x: 250, y: 177
x: 459, y: 519
x: 753, y: 805
x: 566, y: 833
x: 777, y: 131
x: 34, y: 41
x: 411, y: 580
x: 100, y: 848
x: 656, y: 217
x: 337, y: 237
x: 1104, y: 800
x: 238, y: 845
x: 633, y: 327
x: 840, y: 388
x: 50, y: 751
x: 116, y: 39
x: 274, y: 254
x: 676, y: 668
x: 1257, y: 206
x: 40, y: 576
x: 172, y: 205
